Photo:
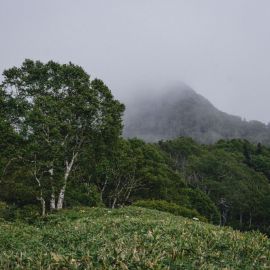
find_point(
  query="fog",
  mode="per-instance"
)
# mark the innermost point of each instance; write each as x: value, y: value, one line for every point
x: 219, y: 48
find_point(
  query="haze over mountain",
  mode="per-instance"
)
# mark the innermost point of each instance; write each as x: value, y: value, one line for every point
x: 183, y: 112
x: 220, y: 48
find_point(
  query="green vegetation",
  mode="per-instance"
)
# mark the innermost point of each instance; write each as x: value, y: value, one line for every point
x: 228, y: 173
x: 61, y: 147
x: 128, y: 238
x: 170, y: 208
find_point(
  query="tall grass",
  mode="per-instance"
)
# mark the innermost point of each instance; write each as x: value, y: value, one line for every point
x: 128, y: 238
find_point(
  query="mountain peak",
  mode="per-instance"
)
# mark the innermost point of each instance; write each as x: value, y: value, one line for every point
x: 180, y: 111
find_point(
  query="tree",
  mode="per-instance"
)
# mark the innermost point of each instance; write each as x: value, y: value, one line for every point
x: 60, y: 114
x: 10, y: 157
x: 117, y: 176
x: 196, y: 199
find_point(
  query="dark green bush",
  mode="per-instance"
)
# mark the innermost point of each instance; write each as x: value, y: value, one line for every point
x: 83, y: 194
x: 27, y: 213
x: 3, y: 207
x: 170, y: 207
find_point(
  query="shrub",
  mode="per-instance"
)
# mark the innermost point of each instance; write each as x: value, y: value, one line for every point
x: 170, y: 207
x: 28, y: 213
x: 3, y: 207
x: 82, y: 194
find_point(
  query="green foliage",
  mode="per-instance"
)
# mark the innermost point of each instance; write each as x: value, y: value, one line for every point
x: 196, y: 199
x: 170, y: 208
x: 27, y: 213
x: 60, y: 138
x: 233, y: 174
x: 181, y: 148
x: 84, y: 194
x: 128, y: 238
x: 135, y: 170
x: 61, y: 117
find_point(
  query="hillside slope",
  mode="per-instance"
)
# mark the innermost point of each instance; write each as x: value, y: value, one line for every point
x: 128, y: 238
x: 183, y: 112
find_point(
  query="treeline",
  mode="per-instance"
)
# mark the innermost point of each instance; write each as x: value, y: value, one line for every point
x: 61, y: 146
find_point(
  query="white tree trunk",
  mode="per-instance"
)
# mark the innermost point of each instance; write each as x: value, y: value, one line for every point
x: 114, y: 202
x: 61, y: 198
x: 43, y: 205
x: 40, y: 198
x: 52, y: 202
x: 61, y: 195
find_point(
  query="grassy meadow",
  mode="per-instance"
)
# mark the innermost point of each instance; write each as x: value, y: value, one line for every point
x: 128, y: 238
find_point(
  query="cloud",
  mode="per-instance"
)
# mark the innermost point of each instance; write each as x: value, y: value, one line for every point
x: 220, y: 48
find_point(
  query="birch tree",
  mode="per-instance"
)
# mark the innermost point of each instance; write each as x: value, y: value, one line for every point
x: 60, y: 114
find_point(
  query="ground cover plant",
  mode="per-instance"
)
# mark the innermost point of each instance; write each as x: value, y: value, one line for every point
x: 128, y: 238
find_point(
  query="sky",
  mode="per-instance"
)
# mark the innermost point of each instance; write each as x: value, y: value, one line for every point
x: 221, y: 48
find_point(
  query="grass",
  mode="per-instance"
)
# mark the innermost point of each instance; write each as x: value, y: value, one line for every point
x: 128, y: 238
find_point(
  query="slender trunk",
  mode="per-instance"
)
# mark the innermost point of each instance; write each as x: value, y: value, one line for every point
x: 241, y: 219
x: 5, y: 168
x: 40, y: 198
x: 250, y: 220
x: 61, y: 195
x: 61, y: 198
x: 114, y: 202
x: 224, y: 217
x: 43, y: 205
x: 116, y: 194
x: 128, y: 195
x: 103, y: 189
x: 52, y: 202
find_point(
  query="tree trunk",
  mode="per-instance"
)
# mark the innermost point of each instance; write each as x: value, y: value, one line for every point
x: 240, y: 219
x: 224, y: 217
x: 40, y: 198
x: 114, y: 202
x: 250, y: 219
x: 103, y: 189
x: 52, y: 202
x: 128, y: 195
x: 43, y: 206
x: 61, y: 195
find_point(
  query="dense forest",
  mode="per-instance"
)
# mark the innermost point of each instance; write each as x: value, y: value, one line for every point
x: 61, y: 146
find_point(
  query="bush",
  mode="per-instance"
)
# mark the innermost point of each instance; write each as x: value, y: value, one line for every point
x: 170, y: 207
x: 82, y: 194
x: 28, y: 213
x: 3, y: 207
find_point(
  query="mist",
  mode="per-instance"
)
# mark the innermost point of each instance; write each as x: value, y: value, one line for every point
x: 219, y: 48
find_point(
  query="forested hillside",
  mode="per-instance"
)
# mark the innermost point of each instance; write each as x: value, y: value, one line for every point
x: 61, y: 147
x: 183, y: 112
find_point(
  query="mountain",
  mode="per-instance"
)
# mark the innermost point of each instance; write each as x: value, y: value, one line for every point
x: 183, y: 112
